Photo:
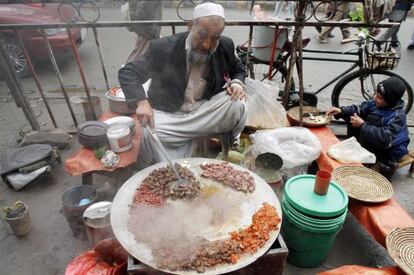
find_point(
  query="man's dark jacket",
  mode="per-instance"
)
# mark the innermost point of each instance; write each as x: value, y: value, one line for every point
x: 165, y: 63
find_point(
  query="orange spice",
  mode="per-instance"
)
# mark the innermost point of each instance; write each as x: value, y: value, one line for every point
x: 256, y: 235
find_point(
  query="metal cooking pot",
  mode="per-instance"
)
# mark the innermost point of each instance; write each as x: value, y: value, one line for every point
x: 119, y: 105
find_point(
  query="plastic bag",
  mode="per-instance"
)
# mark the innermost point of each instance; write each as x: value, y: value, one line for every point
x: 264, y: 111
x: 350, y: 150
x: 295, y: 145
x: 107, y: 258
x: 19, y: 180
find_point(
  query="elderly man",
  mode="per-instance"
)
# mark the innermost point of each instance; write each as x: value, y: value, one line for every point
x: 196, y: 86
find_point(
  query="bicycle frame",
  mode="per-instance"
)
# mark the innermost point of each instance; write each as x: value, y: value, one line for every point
x: 357, y: 63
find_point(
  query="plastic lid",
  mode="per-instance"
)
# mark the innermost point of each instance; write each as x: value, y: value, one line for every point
x: 117, y: 128
x: 92, y: 128
x: 299, y: 193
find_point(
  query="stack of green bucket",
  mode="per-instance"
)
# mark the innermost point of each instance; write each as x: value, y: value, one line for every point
x: 311, y: 221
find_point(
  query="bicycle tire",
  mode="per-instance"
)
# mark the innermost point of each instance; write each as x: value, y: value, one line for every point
x: 67, y: 7
x: 308, y: 12
x: 325, y: 18
x: 180, y: 6
x: 96, y: 13
x: 278, y: 70
x: 348, y: 84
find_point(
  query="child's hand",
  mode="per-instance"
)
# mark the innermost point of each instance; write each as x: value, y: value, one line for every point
x: 333, y: 111
x: 356, y: 121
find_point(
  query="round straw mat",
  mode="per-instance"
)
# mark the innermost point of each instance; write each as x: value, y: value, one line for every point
x: 363, y: 184
x: 400, y: 245
x: 320, y: 119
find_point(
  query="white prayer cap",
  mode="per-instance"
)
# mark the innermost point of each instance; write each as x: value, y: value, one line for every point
x: 208, y: 9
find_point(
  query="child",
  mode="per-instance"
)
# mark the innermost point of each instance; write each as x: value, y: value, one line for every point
x: 380, y: 124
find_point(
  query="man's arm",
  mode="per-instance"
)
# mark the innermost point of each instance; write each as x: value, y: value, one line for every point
x: 237, y: 68
x: 133, y: 75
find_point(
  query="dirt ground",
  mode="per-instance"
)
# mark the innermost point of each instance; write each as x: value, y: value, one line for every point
x: 51, y: 245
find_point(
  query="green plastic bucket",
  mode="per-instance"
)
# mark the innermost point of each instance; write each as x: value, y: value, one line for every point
x: 311, y: 221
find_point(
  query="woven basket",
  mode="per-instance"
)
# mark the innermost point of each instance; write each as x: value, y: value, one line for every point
x: 400, y: 245
x: 363, y: 184
x: 293, y: 117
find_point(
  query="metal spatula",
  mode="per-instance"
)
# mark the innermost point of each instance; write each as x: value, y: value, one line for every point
x: 180, y: 180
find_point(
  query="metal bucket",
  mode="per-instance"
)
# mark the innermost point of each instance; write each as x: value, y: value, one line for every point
x: 88, y: 110
x: 96, y: 219
x: 263, y: 38
x: 75, y: 200
x: 18, y: 218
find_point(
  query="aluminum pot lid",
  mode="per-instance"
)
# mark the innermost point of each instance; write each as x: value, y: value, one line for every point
x: 92, y: 128
x: 98, y: 210
x: 298, y: 192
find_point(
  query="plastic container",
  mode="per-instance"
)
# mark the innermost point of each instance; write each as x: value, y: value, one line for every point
x: 311, y: 222
x: 119, y: 137
x: 97, y: 222
x: 72, y: 211
x: 322, y: 181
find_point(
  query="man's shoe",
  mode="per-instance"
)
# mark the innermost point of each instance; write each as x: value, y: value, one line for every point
x: 321, y: 40
x: 387, y: 170
x: 330, y: 35
x: 410, y: 47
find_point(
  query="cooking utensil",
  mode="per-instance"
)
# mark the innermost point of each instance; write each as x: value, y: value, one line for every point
x: 269, y: 161
x: 180, y: 180
x: 120, y: 215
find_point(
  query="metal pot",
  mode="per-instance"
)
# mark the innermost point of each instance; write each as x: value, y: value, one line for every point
x: 119, y: 105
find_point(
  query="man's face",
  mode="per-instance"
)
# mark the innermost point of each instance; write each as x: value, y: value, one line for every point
x: 379, y: 100
x: 206, y: 32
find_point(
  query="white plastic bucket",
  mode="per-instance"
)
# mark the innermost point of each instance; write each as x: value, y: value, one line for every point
x: 263, y: 38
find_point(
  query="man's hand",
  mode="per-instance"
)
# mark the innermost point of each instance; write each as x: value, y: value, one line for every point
x: 356, y: 121
x: 236, y: 92
x: 145, y: 114
x: 333, y: 111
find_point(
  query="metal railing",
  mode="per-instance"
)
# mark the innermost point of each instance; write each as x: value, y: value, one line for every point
x: 16, y: 87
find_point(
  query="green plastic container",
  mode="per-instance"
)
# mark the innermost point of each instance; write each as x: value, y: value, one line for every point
x: 310, y: 221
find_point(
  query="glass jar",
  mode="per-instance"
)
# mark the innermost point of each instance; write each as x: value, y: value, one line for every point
x: 119, y: 137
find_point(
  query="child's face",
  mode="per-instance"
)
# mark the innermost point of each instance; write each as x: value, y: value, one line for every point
x: 379, y: 101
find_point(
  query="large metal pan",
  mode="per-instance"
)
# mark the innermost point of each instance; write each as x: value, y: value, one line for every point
x: 124, y: 197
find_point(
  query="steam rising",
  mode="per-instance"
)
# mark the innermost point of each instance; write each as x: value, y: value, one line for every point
x: 177, y: 229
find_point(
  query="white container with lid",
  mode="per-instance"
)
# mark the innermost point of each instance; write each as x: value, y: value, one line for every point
x: 119, y: 137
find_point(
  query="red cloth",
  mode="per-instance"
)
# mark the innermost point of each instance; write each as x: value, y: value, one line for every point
x: 106, y: 258
x: 362, y: 270
x: 378, y: 219
x: 84, y: 160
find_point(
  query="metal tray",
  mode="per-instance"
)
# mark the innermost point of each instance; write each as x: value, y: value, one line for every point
x: 124, y: 197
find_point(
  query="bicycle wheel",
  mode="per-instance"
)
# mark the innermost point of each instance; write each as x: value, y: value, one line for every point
x: 89, y: 12
x: 185, y: 16
x: 360, y: 86
x: 322, y: 17
x: 260, y: 70
x: 67, y: 12
x: 307, y: 12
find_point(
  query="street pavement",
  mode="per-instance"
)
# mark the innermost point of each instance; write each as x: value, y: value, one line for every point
x: 50, y: 245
